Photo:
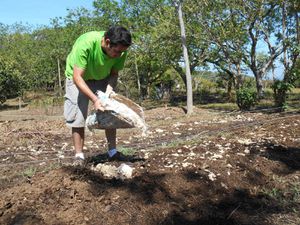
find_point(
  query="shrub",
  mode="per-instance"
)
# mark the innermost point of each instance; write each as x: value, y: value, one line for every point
x: 10, y: 82
x: 280, y: 91
x: 246, y: 98
x: 282, y: 87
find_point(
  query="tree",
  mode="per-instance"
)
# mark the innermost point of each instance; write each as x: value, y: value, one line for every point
x: 290, y: 36
x: 10, y: 81
x: 178, y: 5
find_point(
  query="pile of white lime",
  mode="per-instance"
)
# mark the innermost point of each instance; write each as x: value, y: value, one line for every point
x: 122, y: 172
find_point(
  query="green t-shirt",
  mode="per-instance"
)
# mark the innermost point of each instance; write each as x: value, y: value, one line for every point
x: 87, y: 54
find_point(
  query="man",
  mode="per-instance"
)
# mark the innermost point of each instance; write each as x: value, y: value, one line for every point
x: 92, y: 65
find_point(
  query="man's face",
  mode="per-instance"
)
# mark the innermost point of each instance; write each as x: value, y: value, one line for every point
x: 114, y: 51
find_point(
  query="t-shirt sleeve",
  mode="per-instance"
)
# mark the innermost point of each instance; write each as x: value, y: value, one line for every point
x: 119, y: 65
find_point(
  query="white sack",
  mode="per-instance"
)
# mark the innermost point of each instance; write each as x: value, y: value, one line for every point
x: 120, y: 112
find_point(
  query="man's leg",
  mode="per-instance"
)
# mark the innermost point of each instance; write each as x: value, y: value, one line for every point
x: 111, y: 134
x: 75, y: 112
x: 111, y: 137
x: 78, y: 139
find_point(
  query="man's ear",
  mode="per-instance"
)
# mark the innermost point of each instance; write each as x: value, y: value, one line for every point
x: 107, y: 43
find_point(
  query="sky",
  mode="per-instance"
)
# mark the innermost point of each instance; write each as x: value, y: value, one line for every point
x: 37, y: 12
x: 40, y: 12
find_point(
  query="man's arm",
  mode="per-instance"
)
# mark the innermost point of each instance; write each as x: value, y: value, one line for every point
x: 82, y: 86
x: 112, y: 82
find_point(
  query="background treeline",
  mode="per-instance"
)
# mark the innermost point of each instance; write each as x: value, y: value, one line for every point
x: 232, y: 38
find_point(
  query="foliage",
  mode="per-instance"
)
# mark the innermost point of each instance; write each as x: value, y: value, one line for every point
x: 246, y: 98
x: 29, y: 172
x: 127, y: 151
x: 249, y: 82
x: 223, y: 35
x: 10, y: 81
x: 281, y: 87
x: 164, y: 85
x: 206, y: 85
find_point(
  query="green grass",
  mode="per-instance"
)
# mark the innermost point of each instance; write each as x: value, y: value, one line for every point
x: 127, y: 151
x: 296, y: 91
x: 209, y: 100
x: 290, y: 195
x: 293, y: 102
x: 287, y: 195
x: 29, y: 172
x: 46, y: 101
x: 221, y: 106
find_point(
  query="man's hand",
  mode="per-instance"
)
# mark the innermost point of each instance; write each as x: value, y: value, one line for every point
x: 98, y: 105
x: 112, y: 83
x: 82, y: 86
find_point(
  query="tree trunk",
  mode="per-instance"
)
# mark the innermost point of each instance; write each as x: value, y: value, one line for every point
x: 285, y: 63
x: 138, y: 79
x: 229, y: 89
x: 259, y: 85
x: 186, y: 60
x: 238, y: 77
x: 273, y: 72
x: 59, y: 77
x: 20, y: 103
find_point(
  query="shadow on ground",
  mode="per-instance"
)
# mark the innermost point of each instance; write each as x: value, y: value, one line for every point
x: 289, y: 156
x: 195, y: 199
x: 5, y: 107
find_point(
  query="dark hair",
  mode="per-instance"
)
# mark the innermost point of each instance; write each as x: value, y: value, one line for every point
x: 118, y: 35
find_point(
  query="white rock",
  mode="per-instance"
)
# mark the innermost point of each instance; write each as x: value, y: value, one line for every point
x: 217, y: 156
x: 124, y: 171
x: 240, y: 154
x: 224, y: 185
x: 212, y: 176
x: 192, y: 154
x: 106, y: 170
x: 186, y: 164
x: 245, y: 141
x: 146, y: 156
x: 159, y: 130
x: 169, y: 166
x: 178, y: 124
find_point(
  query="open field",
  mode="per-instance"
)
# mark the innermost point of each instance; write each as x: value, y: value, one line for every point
x: 214, y: 167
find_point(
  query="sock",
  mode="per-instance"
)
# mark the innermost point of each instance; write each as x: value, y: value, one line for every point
x: 112, y: 152
x: 79, y: 155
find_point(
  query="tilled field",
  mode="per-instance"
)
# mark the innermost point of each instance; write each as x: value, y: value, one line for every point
x: 209, y: 168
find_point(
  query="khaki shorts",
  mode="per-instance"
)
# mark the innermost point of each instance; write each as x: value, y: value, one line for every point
x: 76, y: 103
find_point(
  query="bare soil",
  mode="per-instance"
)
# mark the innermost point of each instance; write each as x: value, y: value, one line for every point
x: 212, y: 167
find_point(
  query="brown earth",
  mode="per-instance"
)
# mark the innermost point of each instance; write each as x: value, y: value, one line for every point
x: 210, y: 168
